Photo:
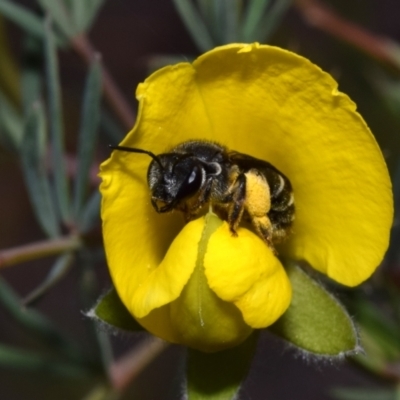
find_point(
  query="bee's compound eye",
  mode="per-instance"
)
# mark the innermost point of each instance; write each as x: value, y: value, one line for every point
x: 192, y: 177
x: 192, y: 183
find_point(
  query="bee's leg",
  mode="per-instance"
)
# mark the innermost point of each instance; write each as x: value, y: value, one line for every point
x: 258, y: 204
x: 191, y: 210
x: 188, y: 215
x: 204, y: 195
x: 237, y: 201
x: 282, y: 222
x: 264, y: 229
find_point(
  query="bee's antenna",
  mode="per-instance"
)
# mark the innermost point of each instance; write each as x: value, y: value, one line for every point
x: 133, y: 150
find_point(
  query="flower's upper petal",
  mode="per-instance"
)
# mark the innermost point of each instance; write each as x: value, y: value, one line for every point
x: 278, y: 106
x: 243, y: 270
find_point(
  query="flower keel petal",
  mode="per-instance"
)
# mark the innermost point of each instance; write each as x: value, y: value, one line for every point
x: 243, y: 270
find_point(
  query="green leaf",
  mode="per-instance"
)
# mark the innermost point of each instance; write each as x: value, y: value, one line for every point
x: 11, y: 125
x: 57, y: 272
x: 27, y: 361
x: 218, y: 376
x: 33, y: 163
x: 111, y: 311
x: 88, y: 134
x: 60, y: 14
x: 84, y: 12
x: 255, y: 11
x: 194, y: 24
x: 9, y: 71
x: 229, y: 20
x: 315, y: 321
x: 210, y: 11
x: 31, y: 77
x: 271, y: 20
x: 33, y: 323
x: 91, y: 213
x: 22, y: 17
x: 56, y: 124
x: 206, y: 8
x: 379, y: 336
x: 380, y: 328
x: 216, y: 21
x: 364, y: 394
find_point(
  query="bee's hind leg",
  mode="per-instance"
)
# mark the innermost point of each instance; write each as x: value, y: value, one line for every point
x: 236, y: 207
x: 264, y: 229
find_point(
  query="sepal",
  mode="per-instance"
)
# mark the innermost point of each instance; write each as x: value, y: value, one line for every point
x: 110, y: 311
x: 316, y: 322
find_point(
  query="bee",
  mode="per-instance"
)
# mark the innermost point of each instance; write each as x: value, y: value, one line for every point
x: 197, y: 173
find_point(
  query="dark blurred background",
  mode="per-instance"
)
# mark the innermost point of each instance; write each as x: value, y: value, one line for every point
x: 131, y: 35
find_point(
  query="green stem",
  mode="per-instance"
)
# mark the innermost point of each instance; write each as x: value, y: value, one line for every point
x: 322, y: 17
x: 41, y: 249
x: 128, y: 367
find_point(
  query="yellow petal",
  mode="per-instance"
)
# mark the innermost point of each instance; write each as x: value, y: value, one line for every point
x: 198, y: 318
x: 277, y: 106
x: 243, y: 270
x: 165, y: 283
x: 136, y: 238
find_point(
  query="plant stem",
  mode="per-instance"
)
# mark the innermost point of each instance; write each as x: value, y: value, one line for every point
x: 116, y: 100
x: 41, y: 249
x: 322, y: 17
x: 128, y: 367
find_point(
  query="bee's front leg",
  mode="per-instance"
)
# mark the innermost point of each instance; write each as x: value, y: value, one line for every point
x: 192, y: 207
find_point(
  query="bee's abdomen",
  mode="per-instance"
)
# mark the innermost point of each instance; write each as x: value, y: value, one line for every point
x: 282, y: 219
x: 282, y: 212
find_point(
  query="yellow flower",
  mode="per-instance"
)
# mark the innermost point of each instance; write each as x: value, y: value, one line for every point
x: 197, y: 284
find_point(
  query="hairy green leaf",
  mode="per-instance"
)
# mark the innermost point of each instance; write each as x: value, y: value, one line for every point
x: 111, y: 311
x: 315, y: 321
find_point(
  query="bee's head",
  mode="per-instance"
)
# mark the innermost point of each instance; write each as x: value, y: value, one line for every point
x: 172, y: 177
x: 176, y: 178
